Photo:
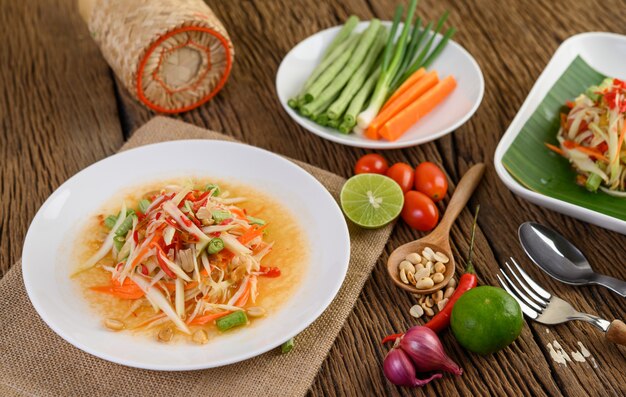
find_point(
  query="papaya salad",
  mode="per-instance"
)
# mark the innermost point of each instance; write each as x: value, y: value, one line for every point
x: 186, y: 260
x: 591, y: 137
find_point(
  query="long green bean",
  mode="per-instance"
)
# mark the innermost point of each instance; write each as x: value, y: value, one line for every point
x: 343, y: 34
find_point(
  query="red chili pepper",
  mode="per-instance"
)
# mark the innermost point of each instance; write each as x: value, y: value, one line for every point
x: 144, y: 270
x: 158, y: 215
x: 391, y: 338
x: 186, y: 221
x: 161, y: 260
x: 215, y: 234
x: 136, y: 237
x: 269, y: 271
x: 569, y: 104
x: 226, y: 221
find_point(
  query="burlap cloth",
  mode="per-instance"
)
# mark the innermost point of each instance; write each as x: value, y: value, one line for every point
x: 35, y: 361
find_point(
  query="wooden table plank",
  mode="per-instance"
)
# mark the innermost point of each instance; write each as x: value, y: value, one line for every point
x: 512, y: 42
x: 57, y: 110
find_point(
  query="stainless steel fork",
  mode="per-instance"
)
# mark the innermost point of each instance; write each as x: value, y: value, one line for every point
x: 545, y: 308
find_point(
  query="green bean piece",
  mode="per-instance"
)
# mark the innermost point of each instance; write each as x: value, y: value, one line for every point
x: 256, y: 221
x: 234, y: 319
x: 326, y: 78
x: 359, y: 54
x: 215, y: 245
x: 118, y: 242
x: 322, y: 119
x: 333, y: 123
x: 593, y: 182
x: 125, y: 226
x: 143, y: 205
x: 214, y: 187
x: 219, y: 216
x: 358, y: 102
x: 336, y: 110
x: 287, y: 346
x: 109, y: 221
x: 343, y: 34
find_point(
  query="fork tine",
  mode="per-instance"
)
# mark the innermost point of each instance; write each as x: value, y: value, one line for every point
x: 527, y: 310
x: 528, y: 291
x: 531, y: 283
x: 520, y: 294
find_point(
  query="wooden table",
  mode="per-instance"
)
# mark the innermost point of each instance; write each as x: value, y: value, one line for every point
x: 61, y: 110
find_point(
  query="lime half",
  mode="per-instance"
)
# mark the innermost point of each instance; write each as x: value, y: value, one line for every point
x: 371, y: 200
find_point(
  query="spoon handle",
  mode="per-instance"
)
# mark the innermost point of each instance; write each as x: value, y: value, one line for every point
x: 614, y: 284
x: 461, y: 196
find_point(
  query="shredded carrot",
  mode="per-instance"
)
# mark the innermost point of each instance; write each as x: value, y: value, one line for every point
x: 555, y: 149
x: 126, y: 290
x: 414, y: 78
x: 201, y: 320
x: 251, y: 234
x: 238, y: 213
x: 150, y: 320
x: 588, y: 151
x: 401, y: 122
x: 411, y: 94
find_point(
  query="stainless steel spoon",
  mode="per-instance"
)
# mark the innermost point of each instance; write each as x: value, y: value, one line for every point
x: 561, y: 259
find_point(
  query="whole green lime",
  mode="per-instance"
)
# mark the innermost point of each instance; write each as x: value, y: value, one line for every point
x: 486, y: 319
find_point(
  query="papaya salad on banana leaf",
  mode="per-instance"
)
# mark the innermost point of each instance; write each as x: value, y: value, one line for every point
x: 188, y: 260
x: 591, y: 137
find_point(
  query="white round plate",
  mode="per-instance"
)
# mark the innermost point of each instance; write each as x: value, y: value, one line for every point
x: 445, y: 118
x: 49, y: 242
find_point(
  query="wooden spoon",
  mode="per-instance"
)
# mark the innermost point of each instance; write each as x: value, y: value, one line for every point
x: 439, y: 239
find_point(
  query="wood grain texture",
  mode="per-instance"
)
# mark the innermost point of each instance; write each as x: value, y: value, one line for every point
x: 59, y: 114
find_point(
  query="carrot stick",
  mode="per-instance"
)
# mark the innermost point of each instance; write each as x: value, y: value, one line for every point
x: 411, y: 94
x: 414, y: 78
x: 555, y: 149
x: 244, y: 297
x: 201, y: 320
x: 401, y: 122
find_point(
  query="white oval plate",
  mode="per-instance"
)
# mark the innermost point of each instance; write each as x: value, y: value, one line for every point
x: 47, y: 250
x: 453, y: 112
x: 605, y: 52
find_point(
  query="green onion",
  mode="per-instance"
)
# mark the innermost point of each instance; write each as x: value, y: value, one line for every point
x: 118, y: 242
x: 143, y: 205
x: 593, y: 182
x: 440, y: 46
x: 219, y: 216
x: 215, y: 245
x: 214, y: 187
x: 358, y: 102
x: 231, y: 320
x: 256, y: 221
x: 390, y: 68
x: 126, y: 225
x: 109, y: 221
x: 287, y: 346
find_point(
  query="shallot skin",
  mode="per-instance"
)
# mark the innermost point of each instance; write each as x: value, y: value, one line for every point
x: 400, y: 371
x: 423, y: 347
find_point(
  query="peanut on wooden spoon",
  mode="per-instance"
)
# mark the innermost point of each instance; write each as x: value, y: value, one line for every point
x: 439, y: 239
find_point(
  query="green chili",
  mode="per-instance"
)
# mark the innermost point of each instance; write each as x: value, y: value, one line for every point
x: 256, y: 221
x: 215, y: 245
x: 143, y: 205
x: 231, y: 320
x: 219, y: 216
x: 287, y: 346
x: 214, y: 187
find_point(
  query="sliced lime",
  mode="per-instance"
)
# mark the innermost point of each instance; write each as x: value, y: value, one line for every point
x: 371, y: 200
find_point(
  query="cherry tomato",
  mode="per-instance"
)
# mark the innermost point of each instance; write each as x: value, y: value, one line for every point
x: 371, y: 164
x: 402, y: 173
x: 430, y: 180
x: 419, y: 211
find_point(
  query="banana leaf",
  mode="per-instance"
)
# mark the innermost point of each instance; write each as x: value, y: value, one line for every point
x: 545, y: 172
